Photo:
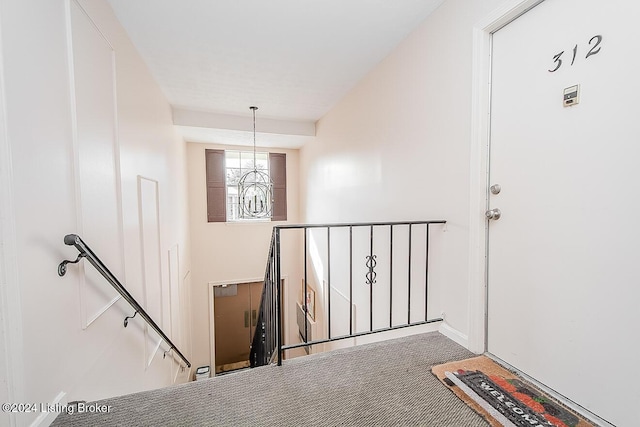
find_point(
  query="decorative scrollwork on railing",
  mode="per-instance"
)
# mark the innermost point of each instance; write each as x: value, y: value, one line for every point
x: 371, y: 264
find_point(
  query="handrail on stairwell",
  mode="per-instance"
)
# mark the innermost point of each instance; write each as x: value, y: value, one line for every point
x: 86, y: 252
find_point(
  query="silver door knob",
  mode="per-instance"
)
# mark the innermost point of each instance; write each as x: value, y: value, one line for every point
x: 493, y: 214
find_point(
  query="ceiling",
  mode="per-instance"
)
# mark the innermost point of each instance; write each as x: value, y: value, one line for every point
x: 294, y: 59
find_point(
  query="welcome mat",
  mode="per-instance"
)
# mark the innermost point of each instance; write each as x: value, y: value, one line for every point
x: 503, y: 398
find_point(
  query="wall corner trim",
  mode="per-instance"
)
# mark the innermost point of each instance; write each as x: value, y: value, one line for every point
x: 454, y: 335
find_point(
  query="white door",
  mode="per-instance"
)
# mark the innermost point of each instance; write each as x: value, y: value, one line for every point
x: 564, y: 257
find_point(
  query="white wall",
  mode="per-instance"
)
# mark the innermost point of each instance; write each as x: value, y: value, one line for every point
x: 230, y: 252
x: 59, y: 359
x: 397, y: 147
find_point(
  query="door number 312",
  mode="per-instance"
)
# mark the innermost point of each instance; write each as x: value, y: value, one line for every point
x: 595, y: 48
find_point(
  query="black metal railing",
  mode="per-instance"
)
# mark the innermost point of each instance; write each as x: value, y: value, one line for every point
x: 266, y: 337
x: 86, y: 252
x: 267, y: 342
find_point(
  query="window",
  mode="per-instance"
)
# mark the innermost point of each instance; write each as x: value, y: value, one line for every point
x: 224, y: 169
x: 237, y: 163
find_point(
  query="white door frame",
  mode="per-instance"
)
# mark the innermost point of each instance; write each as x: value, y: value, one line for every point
x: 479, y: 164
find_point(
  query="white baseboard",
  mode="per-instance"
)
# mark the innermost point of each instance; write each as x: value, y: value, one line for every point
x: 454, y: 335
x: 46, y: 418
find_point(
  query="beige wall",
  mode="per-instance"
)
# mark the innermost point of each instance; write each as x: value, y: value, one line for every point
x: 397, y: 147
x: 50, y: 355
x: 228, y: 252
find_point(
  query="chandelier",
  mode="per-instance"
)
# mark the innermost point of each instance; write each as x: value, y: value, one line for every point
x: 255, y: 189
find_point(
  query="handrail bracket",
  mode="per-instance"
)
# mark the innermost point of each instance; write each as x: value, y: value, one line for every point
x: 62, y: 267
x: 126, y: 319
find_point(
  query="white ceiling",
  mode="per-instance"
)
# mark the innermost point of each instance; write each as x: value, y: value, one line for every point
x: 294, y: 59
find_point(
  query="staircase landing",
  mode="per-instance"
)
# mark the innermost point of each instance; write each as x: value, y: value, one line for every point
x: 382, y: 384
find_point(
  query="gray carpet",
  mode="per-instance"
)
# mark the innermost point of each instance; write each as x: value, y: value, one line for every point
x: 382, y: 384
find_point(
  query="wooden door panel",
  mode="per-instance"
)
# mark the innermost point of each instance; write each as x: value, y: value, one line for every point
x: 232, y: 324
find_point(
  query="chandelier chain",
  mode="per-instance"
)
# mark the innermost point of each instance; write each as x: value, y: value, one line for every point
x: 255, y: 167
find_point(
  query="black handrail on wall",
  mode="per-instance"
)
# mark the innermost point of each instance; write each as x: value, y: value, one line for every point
x: 267, y: 345
x: 86, y: 252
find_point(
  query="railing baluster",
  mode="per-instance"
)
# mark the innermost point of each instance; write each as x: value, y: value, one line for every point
x: 372, y: 281
x: 409, y: 281
x: 304, y: 296
x: 272, y: 302
x: 390, y: 275
x: 426, y: 277
x: 269, y: 322
x: 329, y: 282
x: 350, y: 280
